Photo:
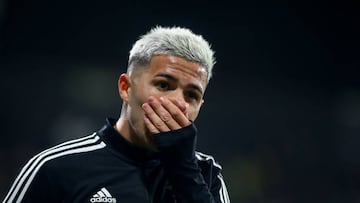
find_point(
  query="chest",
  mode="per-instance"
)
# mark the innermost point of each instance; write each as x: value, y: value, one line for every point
x: 117, y: 183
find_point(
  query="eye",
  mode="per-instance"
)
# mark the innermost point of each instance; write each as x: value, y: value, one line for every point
x: 192, y: 96
x: 162, y: 85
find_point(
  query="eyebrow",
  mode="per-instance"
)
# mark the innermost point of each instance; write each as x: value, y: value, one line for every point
x: 170, y: 77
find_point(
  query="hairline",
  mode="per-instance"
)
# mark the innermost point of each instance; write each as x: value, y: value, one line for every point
x: 174, y: 41
x: 138, y: 65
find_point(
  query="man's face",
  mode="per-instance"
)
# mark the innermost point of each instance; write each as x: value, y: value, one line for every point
x: 176, y: 79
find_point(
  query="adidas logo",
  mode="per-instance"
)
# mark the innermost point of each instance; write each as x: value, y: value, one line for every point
x: 103, y: 195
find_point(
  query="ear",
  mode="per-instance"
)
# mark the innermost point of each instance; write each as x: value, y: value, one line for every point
x: 124, y: 84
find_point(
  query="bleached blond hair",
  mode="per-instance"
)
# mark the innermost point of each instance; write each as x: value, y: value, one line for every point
x: 175, y: 41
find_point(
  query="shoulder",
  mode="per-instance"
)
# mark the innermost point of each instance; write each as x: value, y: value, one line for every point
x: 207, y: 163
x: 53, y: 156
x: 41, y: 170
x: 211, y: 171
x: 209, y: 159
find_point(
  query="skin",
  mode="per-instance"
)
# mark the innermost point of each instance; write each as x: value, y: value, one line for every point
x: 165, y: 95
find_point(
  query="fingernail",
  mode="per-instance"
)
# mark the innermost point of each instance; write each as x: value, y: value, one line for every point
x: 162, y: 99
x: 185, y: 104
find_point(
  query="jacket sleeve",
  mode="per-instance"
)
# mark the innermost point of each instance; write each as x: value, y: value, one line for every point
x: 177, y: 153
x: 33, y: 185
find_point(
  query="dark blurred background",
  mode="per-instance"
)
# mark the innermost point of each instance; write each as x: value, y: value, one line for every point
x: 281, y: 114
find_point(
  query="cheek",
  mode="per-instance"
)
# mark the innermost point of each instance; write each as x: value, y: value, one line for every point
x: 144, y: 91
x: 194, y: 112
x: 139, y: 96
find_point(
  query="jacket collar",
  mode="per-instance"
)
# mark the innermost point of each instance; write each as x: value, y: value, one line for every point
x: 122, y: 147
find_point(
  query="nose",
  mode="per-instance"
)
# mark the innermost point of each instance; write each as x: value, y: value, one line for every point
x: 177, y: 95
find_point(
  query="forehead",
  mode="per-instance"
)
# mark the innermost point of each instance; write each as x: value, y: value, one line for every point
x: 179, y: 67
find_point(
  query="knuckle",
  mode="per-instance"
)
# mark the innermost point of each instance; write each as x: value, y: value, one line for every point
x: 158, y: 124
x: 177, y: 114
x: 165, y: 117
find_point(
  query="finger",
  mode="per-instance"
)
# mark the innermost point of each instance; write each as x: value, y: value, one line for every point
x: 154, y: 118
x: 164, y: 115
x: 183, y: 106
x: 152, y: 129
x: 176, y: 112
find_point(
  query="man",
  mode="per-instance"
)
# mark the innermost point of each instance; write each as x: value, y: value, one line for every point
x: 148, y: 154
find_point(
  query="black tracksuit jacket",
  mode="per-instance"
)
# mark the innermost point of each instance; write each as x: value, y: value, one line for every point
x: 104, y: 167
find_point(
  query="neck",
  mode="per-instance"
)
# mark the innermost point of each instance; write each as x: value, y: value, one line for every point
x: 123, y: 128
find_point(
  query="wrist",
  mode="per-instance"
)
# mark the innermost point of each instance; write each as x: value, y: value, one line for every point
x: 177, y: 144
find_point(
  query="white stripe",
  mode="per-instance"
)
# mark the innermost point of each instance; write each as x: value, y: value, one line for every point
x: 106, y: 192
x: 25, y: 168
x: 96, y: 195
x: 221, y: 194
x: 224, y: 195
x: 101, y: 194
x: 72, y: 151
x: 34, y: 161
x: 40, y: 156
x: 205, y: 157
